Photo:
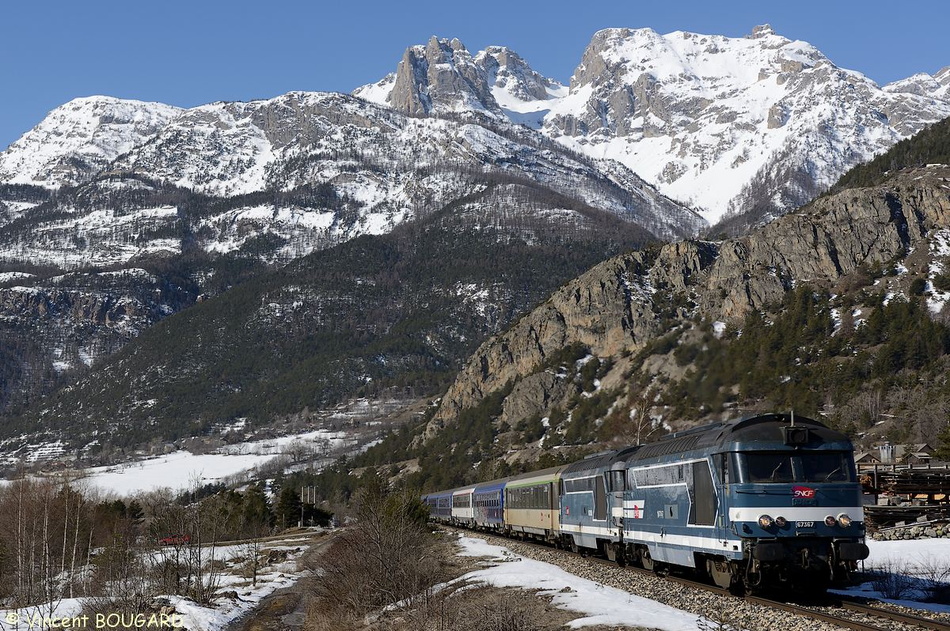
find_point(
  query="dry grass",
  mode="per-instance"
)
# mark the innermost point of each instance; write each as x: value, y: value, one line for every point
x: 453, y: 606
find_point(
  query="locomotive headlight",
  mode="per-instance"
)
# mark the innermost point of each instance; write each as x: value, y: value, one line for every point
x: 830, y: 521
x: 765, y: 521
x: 781, y: 522
x: 844, y: 520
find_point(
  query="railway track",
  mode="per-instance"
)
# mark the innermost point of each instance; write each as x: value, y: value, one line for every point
x: 874, y: 615
x: 926, y: 623
x: 839, y: 611
x: 820, y: 611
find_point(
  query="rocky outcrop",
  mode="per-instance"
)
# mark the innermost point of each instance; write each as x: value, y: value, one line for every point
x: 625, y: 302
x: 443, y: 76
x: 439, y: 76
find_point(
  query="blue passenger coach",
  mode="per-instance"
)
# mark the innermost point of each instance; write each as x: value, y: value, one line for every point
x: 488, y: 500
x: 440, y: 505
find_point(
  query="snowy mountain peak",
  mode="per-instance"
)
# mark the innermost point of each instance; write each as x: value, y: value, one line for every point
x: 731, y: 125
x: 76, y: 140
x: 508, y: 73
x: 761, y: 31
x: 442, y: 76
x: 935, y: 86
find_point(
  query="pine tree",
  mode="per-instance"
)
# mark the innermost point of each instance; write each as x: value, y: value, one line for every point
x: 288, y: 507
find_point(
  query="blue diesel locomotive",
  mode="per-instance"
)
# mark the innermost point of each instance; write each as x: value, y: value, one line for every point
x: 760, y: 502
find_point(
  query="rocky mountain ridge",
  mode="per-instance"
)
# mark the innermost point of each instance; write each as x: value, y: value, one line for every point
x: 621, y: 307
x: 224, y: 190
x: 79, y: 139
x: 386, y: 167
x: 750, y: 126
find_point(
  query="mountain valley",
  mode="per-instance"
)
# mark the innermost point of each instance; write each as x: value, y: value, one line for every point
x: 167, y: 272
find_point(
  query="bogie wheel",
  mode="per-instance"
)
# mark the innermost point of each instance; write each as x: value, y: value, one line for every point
x: 720, y: 574
x: 646, y: 560
x: 614, y: 553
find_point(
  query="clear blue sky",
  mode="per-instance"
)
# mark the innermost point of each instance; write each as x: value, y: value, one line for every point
x: 187, y: 53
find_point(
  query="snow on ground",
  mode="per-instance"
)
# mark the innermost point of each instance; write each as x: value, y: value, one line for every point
x: 598, y: 603
x: 227, y: 610
x: 42, y: 616
x: 907, y: 569
x: 181, y: 469
x: 189, y: 614
x: 176, y: 471
x: 913, y: 553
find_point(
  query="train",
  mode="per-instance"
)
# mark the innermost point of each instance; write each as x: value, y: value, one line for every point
x: 764, y: 502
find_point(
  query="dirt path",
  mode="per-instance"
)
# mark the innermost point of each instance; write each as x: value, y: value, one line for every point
x: 285, y: 609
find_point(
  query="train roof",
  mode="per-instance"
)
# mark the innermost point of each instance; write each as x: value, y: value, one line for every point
x: 763, y: 428
x: 491, y: 486
x: 544, y: 475
x: 599, y: 461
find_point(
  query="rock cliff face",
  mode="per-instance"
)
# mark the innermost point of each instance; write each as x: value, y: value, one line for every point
x: 52, y: 327
x: 443, y: 76
x: 629, y: 300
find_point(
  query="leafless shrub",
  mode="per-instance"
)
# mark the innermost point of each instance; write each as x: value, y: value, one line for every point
x: 892, y: 580
x: 511, y: 611
x: 387, y: 559
x: 934, y: 578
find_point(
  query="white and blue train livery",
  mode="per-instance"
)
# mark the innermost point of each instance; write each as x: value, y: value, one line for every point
x: 766, y: 501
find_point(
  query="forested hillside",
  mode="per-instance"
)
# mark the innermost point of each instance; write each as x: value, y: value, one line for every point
x: 382, y: 316
x: 837, y: 311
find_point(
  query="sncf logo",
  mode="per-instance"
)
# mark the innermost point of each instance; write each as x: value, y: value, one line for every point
x: 803, y: 492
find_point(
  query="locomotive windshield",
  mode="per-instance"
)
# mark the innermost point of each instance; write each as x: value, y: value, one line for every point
x: 785, y: 467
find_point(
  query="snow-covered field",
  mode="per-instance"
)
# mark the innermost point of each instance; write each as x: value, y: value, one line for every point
x: 182, y: 469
